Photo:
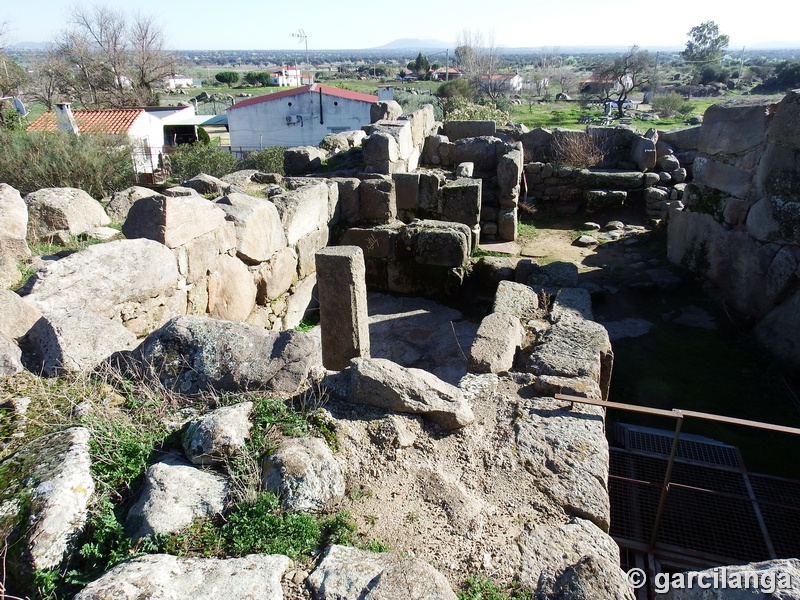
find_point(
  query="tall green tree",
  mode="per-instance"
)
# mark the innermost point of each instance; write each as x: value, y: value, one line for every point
x: 229, y: 78
x: 705, y: 44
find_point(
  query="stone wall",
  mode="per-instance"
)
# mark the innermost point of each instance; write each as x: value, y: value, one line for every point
x: 487, y: 202
x: 740, y: 225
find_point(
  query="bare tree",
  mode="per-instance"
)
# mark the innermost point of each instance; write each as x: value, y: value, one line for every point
x: 47, y: 83
x: 623, y: 74
x: 114, y: 60
x: 479, y: 59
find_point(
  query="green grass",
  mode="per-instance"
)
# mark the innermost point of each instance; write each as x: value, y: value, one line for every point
x: 480, y: 587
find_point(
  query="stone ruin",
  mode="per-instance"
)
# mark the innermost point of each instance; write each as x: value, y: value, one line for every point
x: 514, y: 481
x: 739, y: 221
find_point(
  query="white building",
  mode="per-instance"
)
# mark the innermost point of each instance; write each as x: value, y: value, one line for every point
x: 288, y: 77
x: 297, y: 117
x: 176, y: 81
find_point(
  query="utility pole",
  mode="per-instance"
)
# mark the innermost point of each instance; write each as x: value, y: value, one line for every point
x: 655, y: 75
x: 741, y: 68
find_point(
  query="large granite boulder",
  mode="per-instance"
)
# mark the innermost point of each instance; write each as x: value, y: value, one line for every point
x: 259, y: 231
x: 17, y: 316
x: 346, y: 572
x: 302, y: 160
x: 45, y: 504
x: 218, y: 435
x: 382, y: 383
x: 303, y: 210
x: 174, y: 494
x: 134, y: 282
x: 166, y: 576
x: 192, y: 354
x: 172, y: 220
x: 75, y: 340
x: 120, y: 202
x: 13, y: 224
x: 52, y: 211
x: 304, y: 474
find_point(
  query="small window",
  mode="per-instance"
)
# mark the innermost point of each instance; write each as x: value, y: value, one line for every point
x: 289, y: 103
x: 336, y: 103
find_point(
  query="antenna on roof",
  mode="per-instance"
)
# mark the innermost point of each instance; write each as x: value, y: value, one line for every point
x: 303, y: 38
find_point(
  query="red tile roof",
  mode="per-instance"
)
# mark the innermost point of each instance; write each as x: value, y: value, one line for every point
x: 314, y: 87
x: 114, y: 121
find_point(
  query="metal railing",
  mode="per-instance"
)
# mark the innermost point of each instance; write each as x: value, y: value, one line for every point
x: 704, y: 510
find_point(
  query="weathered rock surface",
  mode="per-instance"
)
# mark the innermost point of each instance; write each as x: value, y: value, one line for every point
x: 259, y: 231
x: 70, y: 210
x: 75, y: 340
x: 346, y: 572
x: 207, y: 184
x: 13, y: 224
x: 120, y: 202
x: 175, y: 492
x: 218, y: 435
x: 302, y: 160
x: 55, y: 477
x: 382, y: 383
x: 303, y: 210
x: 231, y: 290
x: 568, y: 450
x: 10, y: 357
x: 191, y: 354
x: 496, y: 343
x: 304, y: 475
x: 17, y: 316
x: 130, y: 281
x: 515, y: 299
x: 574, y: 560
x: 252, y: 577
x: 172, y: 221
x: 778, y: 579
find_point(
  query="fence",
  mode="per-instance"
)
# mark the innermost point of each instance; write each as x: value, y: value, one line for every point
x: 683, y: 501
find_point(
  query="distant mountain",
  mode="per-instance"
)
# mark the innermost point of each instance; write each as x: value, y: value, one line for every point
x: 30, y: 45
x: 411, y: 43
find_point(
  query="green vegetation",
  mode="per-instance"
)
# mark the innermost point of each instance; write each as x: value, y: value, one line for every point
x: 268, y: 160
x: 95, y: 164
x: 229, y: 78
x: 188, y: 160
x: 480, y: 587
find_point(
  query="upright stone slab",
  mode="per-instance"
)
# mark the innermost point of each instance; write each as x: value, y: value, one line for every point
x: 342, y: 293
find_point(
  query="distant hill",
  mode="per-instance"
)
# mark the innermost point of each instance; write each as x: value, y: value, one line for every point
x: 406, y: 43
x: 30, y: 45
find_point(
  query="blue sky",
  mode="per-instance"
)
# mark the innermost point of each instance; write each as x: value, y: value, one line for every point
x: 244, y: 24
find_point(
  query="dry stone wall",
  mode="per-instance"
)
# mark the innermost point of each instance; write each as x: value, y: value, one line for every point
x: 740, y: 225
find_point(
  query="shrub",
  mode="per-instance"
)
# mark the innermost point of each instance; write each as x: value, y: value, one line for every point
x: 98, y: 165
x: 667, y: 105
x: 457, y: 109
x: 268, y: 160
x: 578, y: 149
x: 189, y: 160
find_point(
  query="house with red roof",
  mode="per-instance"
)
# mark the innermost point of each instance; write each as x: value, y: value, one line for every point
x: 297, y: 117
x: 287, y: 76
x: 151, y: 130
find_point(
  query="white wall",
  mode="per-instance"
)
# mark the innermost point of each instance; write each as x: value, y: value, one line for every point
x: 147, y: 132
x: 264, y: 124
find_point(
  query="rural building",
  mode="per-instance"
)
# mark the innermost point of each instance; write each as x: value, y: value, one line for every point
x: 288, y: 77
x: 297, y: 117
x: 504, y: 83
x: 151, y: 130
x: 177, y: 81
x: 443, y: 74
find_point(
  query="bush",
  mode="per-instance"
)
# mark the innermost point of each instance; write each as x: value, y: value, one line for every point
x: 458, y: 109
x: 268, y: 160
x: 189, y: 160
x: 98, y: 165
x: 578, y: 149
x: 667, y: 105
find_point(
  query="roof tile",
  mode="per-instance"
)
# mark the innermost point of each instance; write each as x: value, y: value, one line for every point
x: 115, y: 121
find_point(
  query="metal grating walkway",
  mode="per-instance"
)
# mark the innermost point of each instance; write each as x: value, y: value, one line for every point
x: 715, y: 511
